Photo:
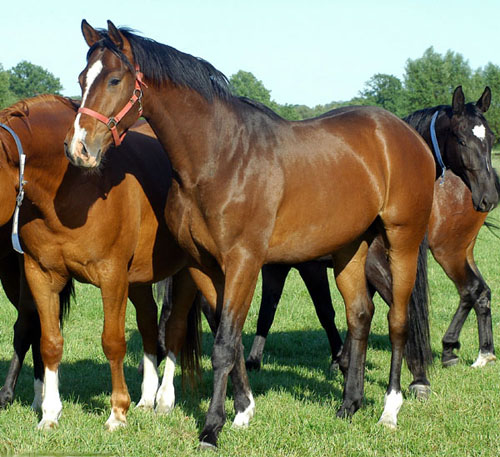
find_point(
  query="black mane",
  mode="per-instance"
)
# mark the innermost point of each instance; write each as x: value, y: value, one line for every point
x: 421, y: 119
x: 159, y: 63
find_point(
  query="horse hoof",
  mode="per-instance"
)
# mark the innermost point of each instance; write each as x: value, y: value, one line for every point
x: 47, y: 424
x: 204, y: 446
x: 483, y: 360
x: 252, y: 365
x: 388, y: 421
x: 450, y: 362
x: 145, y: 405
x: 420, y: 391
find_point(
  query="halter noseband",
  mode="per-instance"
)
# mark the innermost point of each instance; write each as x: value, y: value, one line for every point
x: 112, y: 122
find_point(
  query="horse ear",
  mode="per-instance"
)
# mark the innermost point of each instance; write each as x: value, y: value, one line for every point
x: 484, y: 101
x: 90, y: 34
x: 458, y: 103
x: 115, y: 35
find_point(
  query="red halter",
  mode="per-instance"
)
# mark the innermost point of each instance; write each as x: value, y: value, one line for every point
x: 112, y: 122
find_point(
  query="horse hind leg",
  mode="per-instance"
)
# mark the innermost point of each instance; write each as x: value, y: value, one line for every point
x: 404, y: 241
x: 273, y: 281
x: 418, y: 353
x: 147, y: 323
x: 175, y: 330
x: 315, y: 276
x: 348, y: 264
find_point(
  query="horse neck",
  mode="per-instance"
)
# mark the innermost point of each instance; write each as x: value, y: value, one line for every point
x: 43, y: 144
x: 184, y: 122
x: 9, y: 175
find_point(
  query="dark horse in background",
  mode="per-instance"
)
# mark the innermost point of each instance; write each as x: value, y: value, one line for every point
x: 251, y: 188
x: 462, y: 199
x: 106, y: 229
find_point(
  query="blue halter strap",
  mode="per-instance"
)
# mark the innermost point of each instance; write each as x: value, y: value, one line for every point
x: 16, y: 244
x: 435, y: 145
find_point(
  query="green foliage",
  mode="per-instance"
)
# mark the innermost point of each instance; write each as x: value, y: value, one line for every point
x: 245, y: 84
x: 385, y: 91
x: 431, y: 79
x: 28, y: 80
x: 6, y: 96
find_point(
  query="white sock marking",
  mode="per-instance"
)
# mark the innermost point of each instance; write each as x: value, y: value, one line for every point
x: 165, y: 398
x: 242, y: 420
x: 392, y: 404
x: 51, y: 403
x: 483, y: 359
x: 149, y: 382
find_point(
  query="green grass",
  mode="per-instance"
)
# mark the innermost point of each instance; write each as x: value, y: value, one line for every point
x: 296, y: 395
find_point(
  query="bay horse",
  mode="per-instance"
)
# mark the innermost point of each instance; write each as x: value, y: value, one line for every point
x: 462, y: 199
x: 250, y: 188
x: 105, y: 228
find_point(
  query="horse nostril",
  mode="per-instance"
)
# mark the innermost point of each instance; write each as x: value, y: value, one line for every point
x: 84, y: 151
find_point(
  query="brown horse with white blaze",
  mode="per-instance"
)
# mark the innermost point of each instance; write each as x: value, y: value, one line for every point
x: 105, y: 228
x: 250, y: 188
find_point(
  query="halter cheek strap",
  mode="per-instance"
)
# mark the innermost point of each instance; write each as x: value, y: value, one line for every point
x: 435, y: 145
x: 112, y: 122
x: 16, y: 244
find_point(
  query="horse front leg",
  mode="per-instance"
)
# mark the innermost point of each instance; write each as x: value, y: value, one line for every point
x: 114, y: 291
x: 147, y: 323
x: 45, y: 288
x: 241, y: 273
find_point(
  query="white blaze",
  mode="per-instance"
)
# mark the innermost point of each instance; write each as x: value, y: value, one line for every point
x: 92, y: 73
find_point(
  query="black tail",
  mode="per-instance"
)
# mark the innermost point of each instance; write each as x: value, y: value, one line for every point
x: 418, y: 353
x: 191, y: 350
x: 65, y: 297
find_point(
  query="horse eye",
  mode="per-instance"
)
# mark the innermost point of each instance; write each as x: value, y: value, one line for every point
x: 462, y: 142
x: 114, y: 82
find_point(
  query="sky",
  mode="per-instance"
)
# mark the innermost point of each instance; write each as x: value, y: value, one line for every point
x: 305, y: 52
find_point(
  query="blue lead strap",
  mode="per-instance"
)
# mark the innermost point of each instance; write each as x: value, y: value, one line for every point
x: 16, y: 244
x: 435, y: 145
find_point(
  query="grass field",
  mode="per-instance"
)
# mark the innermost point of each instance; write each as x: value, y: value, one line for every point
x: 296, y: 395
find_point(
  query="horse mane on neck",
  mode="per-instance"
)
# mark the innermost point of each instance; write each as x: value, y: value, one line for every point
x: 421, y: 119
x: 160, y: 63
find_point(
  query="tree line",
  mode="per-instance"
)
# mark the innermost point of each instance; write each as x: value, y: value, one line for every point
x: 427, y: 81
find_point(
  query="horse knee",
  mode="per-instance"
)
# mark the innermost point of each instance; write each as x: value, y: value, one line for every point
x: 114, y: 349
x: 51, y: 349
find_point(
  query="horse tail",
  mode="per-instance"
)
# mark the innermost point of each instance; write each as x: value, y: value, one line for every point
x: 191, y: 350
x: 418, y: 353
x: 65, y: 297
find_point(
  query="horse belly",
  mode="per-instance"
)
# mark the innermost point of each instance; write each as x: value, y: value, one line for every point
x: 321, y: 221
